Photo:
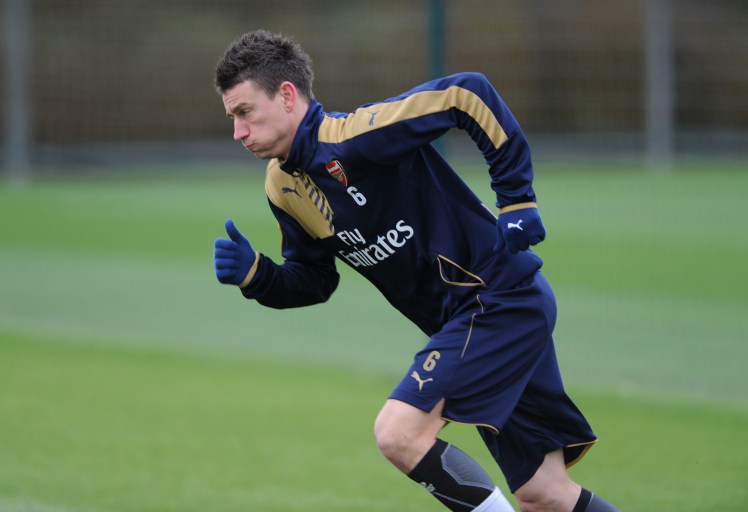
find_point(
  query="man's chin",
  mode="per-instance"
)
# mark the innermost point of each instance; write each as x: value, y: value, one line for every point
x: 262, y: 155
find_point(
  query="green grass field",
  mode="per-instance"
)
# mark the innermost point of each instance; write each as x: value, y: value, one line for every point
x: 131, y: 381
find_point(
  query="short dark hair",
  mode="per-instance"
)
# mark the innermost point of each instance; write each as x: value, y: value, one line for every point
x: 267, y: 59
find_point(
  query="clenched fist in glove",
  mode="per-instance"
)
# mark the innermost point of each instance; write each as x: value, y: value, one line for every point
x: 233, y: 259
x: 519, y: 226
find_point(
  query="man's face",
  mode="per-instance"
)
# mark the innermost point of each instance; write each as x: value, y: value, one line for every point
x: 262, y: 124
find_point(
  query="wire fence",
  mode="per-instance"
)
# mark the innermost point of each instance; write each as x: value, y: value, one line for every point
x: 101, y: 82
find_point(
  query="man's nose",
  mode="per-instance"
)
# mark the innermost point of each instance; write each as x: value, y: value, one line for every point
x: 240, y: 130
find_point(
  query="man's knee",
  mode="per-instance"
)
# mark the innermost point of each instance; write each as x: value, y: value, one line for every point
x: 390, y: 441
x: 404, y: 434
x: 550, y: 488
x: 400, y: 443
x: 539, y: 501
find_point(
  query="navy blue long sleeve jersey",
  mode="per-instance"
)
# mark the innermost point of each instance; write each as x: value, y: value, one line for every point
x: 369, y: 189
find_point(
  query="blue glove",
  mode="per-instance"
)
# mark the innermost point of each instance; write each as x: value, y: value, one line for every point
x: 233, y: 258
x: 518, y: 229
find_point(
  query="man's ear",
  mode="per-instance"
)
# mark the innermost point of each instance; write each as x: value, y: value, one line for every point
x: 289, y: 94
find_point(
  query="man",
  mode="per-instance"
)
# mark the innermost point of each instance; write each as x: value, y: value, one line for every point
x: 369, y: 188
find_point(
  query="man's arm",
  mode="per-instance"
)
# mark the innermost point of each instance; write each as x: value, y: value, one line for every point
x: 307, y: 275
x: 389, y: 130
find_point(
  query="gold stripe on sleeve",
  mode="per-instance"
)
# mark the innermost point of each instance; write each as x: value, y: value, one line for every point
x: 518, y: 206
x: 373, y: 117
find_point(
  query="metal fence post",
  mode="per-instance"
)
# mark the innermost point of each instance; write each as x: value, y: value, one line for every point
x: 437, y: 43
x: 17, y: 124
x: 660, y: 95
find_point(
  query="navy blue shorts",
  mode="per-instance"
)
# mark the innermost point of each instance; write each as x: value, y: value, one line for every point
x: 495, y: 365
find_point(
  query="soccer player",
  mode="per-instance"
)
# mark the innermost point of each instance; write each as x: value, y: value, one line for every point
x: 369, y: 189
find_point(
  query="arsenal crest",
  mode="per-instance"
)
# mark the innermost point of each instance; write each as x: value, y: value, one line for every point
x: 336, y: 171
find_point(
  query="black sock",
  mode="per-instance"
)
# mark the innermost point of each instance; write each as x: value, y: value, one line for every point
x: 453, y: 477
x: 589, y: 502
x: 583, y: 501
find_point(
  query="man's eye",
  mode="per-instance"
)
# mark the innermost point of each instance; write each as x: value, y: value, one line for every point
x: 240, y: 114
